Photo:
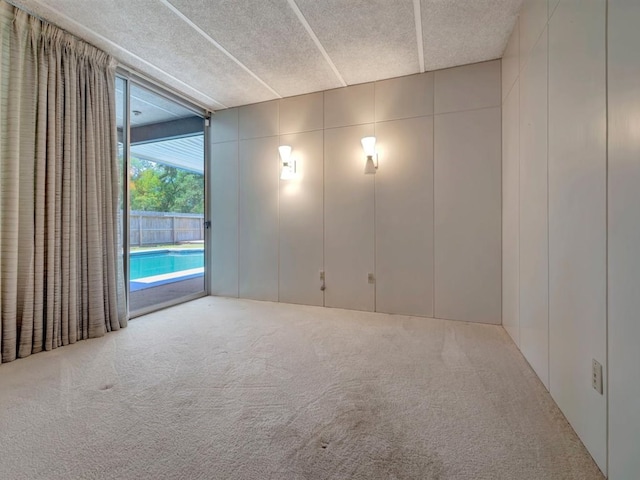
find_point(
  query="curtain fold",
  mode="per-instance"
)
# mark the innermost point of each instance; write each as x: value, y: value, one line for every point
x: 60, y: 269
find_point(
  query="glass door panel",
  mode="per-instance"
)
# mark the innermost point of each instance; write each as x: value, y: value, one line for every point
x: 166, y: 201
x: 123, y: 131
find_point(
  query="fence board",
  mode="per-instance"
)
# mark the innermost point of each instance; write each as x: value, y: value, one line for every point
x: 156, y: 228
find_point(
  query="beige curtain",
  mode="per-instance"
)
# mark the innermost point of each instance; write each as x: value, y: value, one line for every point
x: 60, y: 268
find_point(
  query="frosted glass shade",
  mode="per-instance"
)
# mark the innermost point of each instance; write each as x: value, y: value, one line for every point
x: 285, y: 152
x: 288, y: 170
x: 369, y: 146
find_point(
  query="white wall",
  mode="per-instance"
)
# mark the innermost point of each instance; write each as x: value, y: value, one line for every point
x: 624, y: 238
x: 431, y: 250
x: 554, y: 98
x: 577, y: 215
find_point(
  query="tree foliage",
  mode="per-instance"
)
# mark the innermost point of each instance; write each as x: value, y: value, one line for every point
x: 161, y: 188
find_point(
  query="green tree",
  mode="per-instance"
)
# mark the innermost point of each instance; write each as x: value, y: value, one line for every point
x: 161, y: 188
x: 184, y: 190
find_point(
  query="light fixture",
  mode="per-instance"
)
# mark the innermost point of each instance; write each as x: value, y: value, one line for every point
x: 288, y: 168
x: 369, y: 147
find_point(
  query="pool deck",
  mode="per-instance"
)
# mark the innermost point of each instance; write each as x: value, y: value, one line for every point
x: 155, y: 295
x: 157, y: 280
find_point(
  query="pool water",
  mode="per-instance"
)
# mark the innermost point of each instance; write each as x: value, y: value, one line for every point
x: 160, y: 262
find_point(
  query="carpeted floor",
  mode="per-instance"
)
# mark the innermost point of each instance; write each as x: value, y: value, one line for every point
x: 236, y: 389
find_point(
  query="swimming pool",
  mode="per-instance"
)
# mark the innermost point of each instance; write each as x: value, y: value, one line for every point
x: 155, y: 267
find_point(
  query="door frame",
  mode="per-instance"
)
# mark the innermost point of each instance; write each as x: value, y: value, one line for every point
x: 130, y: 78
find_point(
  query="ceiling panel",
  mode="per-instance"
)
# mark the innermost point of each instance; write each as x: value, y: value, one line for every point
x: 151, y: 31
x: 461, y: 32
x: 267, y: 37
x: 366, y: 39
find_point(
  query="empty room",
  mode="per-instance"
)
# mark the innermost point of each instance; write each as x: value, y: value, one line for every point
x: 320, y: 239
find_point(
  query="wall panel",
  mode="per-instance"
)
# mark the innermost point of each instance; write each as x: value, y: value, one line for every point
x: 349, y: 220
x: 224, y: 126
x: 511, y: 61
x: 624, y: 239
x: 577, y: 216
x: 404, y: 217
x: 533, y: 20
x: 224, y: 219
x: 468, y: 87
x: 301, y: 222
x: 468, y: 215
x: 349, y: 106
x: 510, y: 213
x: 302, y: 114
x: 404, y: 97
x: 534, y: 252
x: 258, y: 241
x: 258, y: 120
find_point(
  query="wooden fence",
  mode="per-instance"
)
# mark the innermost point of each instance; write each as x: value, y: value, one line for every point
x: 160, y: 228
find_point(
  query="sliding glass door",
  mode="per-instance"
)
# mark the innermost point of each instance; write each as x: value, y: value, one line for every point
x: 163, y: 147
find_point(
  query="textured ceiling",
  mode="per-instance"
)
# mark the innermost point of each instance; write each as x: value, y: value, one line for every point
x: 224, y: 53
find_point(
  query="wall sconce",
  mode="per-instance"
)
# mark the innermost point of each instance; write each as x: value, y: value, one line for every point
x: 288, y: 169
x: 369, y: 147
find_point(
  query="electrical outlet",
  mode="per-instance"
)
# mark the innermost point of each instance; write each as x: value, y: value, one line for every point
x: 596, y: 376
x: 321, y: 275
x: 371, y: 278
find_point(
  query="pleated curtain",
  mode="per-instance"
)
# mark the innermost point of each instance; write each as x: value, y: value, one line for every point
x: 60, y: 263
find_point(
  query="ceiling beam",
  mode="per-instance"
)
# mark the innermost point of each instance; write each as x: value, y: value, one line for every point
x: 170, y: 163
x: 156, y: 132
x: 307, y: 27
x: 418, y: 18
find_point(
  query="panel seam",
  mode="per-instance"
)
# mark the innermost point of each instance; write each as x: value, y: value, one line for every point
x: 548, y: 215
x: 433, y: 200
x: 315, y: 39
x: 238, y: 215
x: 606, y: 187
x: 279, y: 216
x: 375, y: 229
x: 324, y: 268
x: 519, y: 313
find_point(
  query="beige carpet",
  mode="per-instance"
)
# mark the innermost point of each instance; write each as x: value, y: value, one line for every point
x: 236, y: 389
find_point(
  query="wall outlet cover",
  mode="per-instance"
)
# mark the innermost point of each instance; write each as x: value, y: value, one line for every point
x: 596, y: 376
